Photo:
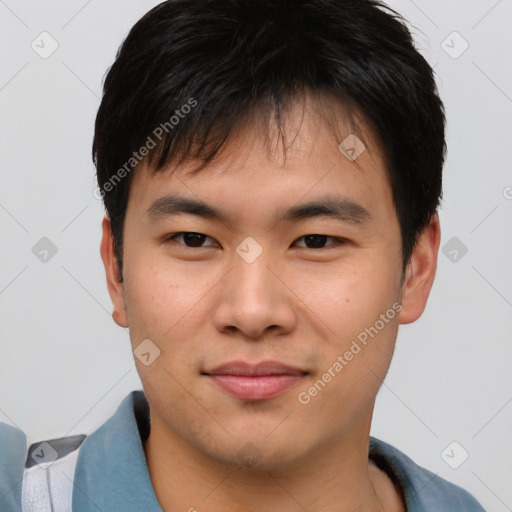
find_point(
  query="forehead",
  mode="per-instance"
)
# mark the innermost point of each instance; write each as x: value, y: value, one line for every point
x: 320, y: 154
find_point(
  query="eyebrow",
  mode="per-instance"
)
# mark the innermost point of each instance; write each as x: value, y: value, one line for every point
x: 340, y: 208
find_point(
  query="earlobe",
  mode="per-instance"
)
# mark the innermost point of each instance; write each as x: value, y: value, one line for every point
x: 114, y: 284
x: 420, y: 272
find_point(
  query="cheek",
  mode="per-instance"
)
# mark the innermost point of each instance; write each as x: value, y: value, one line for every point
x: 154, y: 300
x: 361, y: 311
x: 159, y: 289
x: 165, y: 306
x: 349, y: 300
x: 354, y: 365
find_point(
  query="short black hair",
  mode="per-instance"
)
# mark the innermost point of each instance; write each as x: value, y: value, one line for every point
x: 190, y: 71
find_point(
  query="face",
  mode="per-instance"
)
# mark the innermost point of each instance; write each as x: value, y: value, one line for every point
x: 320, y: 293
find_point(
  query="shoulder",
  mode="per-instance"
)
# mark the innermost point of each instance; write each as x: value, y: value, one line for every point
x: 49, y: 473
x: 423, y: 490
x: 13, y: 447
x: 38, y: 476
x: 43, y: 475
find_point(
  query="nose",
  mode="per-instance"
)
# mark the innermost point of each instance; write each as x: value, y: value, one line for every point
x: 255, y: 301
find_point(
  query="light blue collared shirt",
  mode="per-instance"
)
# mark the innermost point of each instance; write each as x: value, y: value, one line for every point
x: 111, y: 473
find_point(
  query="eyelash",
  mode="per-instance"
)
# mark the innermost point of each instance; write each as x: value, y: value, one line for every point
x: 338, y: 240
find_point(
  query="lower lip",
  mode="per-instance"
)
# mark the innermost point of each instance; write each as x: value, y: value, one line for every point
x: 260, y: 387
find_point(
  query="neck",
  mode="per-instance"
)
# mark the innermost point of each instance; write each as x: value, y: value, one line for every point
x: 335, y: 477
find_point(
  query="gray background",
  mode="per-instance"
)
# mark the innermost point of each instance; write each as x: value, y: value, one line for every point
x: 65, y: 366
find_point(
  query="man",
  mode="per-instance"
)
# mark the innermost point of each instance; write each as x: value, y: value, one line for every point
x: 271, y: 172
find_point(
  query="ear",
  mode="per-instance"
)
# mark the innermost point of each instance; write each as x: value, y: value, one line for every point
x: 114, y: 284
x: 420, y: 272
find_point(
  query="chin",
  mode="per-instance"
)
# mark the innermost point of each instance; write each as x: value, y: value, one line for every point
x: 257, y: 453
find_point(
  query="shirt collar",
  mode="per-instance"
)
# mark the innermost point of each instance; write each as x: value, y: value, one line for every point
x: 111, y: 472
x: 423, y: 490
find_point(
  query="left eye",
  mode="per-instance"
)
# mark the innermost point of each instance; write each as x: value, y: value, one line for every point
x: 192, y: 239
x: 318, y: 240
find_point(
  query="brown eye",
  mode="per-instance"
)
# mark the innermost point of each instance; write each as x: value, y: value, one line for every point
x: 190, y: 239
x: 318, y: 241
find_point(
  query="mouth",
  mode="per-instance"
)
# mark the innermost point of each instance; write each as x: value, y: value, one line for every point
x: 260, y: 381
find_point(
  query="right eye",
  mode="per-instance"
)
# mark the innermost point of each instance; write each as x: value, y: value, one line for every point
x: 190, y: 239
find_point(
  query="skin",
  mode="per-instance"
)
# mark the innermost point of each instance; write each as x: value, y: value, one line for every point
x: 204, y: 306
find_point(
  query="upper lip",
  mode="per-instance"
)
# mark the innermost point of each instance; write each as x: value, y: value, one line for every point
x: 243, y: 368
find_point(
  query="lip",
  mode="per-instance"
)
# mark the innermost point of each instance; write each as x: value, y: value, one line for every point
x: 260, y: 381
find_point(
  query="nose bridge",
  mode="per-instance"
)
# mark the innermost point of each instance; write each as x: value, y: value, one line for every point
x: 252, y: 281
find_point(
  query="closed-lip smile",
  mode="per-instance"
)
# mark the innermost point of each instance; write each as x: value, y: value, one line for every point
x: 255, y: 381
